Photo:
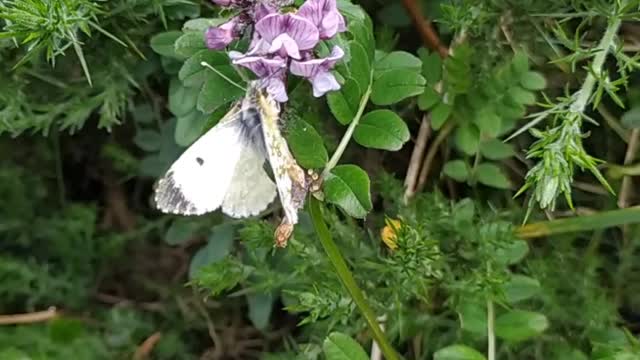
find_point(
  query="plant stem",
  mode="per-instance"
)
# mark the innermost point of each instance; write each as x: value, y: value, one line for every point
x: 598, y: 220
x: 347, y: 135
x: 345, y: 276
x: 491, y: 336
x: 607, y: 41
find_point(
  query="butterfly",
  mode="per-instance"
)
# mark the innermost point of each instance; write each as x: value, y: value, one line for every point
x: 224, y: 167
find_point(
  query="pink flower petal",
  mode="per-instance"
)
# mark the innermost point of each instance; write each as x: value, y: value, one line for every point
x: 311, y: 68
x: 324, y: 82
x: 218, y: 37
x: 276, y: 88
x: 302, y: 31
x: 259, y: 65
x: 324, y: 15
x: 284, y: 45
x: 222, y: 2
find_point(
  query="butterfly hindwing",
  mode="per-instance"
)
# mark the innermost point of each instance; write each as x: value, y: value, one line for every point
x: 252, y: 190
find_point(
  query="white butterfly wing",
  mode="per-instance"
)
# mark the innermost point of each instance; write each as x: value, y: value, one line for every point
x: 251, y: 188
x: 198, y: 181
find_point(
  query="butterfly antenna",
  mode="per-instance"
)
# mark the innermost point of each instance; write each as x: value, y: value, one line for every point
x: 205, y: 64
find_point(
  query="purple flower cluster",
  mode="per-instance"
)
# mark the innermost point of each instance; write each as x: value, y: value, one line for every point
x: 283, y: 41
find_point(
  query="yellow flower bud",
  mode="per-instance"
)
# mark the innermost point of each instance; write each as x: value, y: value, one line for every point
x: 389, y: 233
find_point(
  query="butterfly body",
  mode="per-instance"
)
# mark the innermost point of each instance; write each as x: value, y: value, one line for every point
x: 224, y: 167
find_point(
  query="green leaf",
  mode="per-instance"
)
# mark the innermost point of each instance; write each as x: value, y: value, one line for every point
x: 488, y: 121
x: 428, y: 98
x: 458, y: 352
x: 467, y: 138
x: 512, y: 254
x: 522, y: 96
x: 457, y: 170
x: 348, y: 187
x: 180, y: 231
x: 491, y: 175
x: 260, y: 306
x: 396, y: 60
x: 190, y: 43
x: 163, y: 43
x: 148, y: 140
x: 202, y: 24
x: 473, y: 316
x: 360, y: 65
x: 219, y: 245
x: 345, y: 102
x: 182, y: 100
x: 532, y: 80
x: 520, y: 63
x: 381, y: 129
x: 631, y: 118
x: 217, y: 91
x: 189, y: 127
x: 520, y: 325
x: 431, y: 66
x: 338, y: 346
x: 495, y: 149
x: 396, y: 85
x: 520, y: 288
x: 439, y: 115
x: 306, y: 144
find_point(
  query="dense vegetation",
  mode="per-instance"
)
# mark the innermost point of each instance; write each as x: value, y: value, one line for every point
x: 478, y: 165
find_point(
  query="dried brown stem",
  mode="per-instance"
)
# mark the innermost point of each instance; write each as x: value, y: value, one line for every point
x: 144, y: 350
x: 424, y: 27
x: 28, y: 318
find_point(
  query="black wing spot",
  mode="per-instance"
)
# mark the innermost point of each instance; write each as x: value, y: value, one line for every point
x: 200, y: 161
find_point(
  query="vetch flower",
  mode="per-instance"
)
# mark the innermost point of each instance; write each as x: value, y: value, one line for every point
x: 218, y: 37
x: 317, y: 71
x: 325, y: 16
x: 224, y: 3
x: 272, y: 71
x: 287, y: 34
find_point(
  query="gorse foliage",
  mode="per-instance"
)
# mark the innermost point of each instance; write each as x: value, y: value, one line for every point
x: 100, y: 97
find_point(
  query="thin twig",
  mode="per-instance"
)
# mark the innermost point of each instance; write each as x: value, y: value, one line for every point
x: 431, y: 155
x: 417, y: 155
x: 144, y: 350
x: 28, y: 318
x: 627, y: 183
x: 428, y: 34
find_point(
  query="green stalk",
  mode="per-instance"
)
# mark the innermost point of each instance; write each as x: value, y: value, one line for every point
x: 605, y: 45
x: 581, y: 223
x: 347, y: 135
x: 491, y: 336
x: 347, y: 279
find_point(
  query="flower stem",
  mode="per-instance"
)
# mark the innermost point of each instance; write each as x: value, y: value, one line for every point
x: 347, y: 279
x: 491, y: 336
x: 347, y: 135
